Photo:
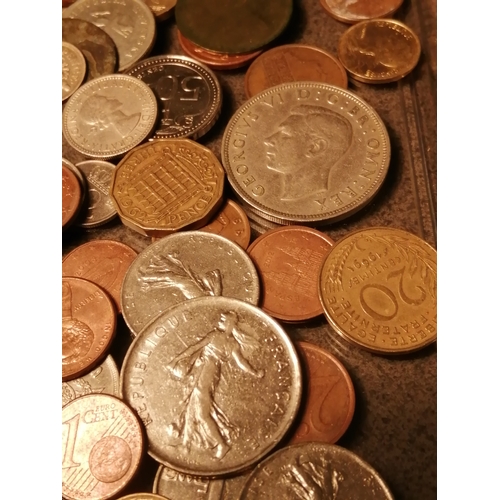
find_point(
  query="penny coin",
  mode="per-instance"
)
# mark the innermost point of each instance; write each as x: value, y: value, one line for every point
x: 71, y: 196
x: 329, y: 397
x: 231, y: 222
x: 232, y: 27
x: 162, y: 9
x: 289, y: 260
x: 130, y: 24
x: 104, y: 262
x: 102, y: 380
x: 379, y: 51
x: 143, y: 496
x: 291, y: 63
x: 109, y: 115
x: 216, y: 383
x: 88, y: 326
x: 315, y: 471
x: 95, y: 44
x: 73, y: 69
x: 167, y: 185
x: 185, y: 266
x: 378, y: 288
x: 349, y: 11
x: 102, y: 446
x: 189, y: 94
x: 305, y: 153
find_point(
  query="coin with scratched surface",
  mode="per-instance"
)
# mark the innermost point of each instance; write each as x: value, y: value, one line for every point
x: 73, y: 69
x: 306, y: 152
x: 378, y: 288
x: 71, y: 196
x: 109, y: 115
x: 216, y: 382
x: 102, y: 445
x: 185, y: 266
x: 354, y: 11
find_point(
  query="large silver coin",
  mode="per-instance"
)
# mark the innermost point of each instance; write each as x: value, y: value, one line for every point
x: 216, y: 382
x: 305, y: 152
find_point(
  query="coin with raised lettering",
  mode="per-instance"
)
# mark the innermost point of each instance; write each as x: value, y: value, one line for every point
x: 378, y: 288
x: 162, y: 9
x: 73, y: 69
x: 102, y: 447
x: 354, y: 11
x: 216, y: 382
x: 71, y: 196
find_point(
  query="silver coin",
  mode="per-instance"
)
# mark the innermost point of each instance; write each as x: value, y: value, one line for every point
x: 73, y: 69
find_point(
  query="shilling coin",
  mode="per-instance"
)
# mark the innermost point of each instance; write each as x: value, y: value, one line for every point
x: 185, y: 266
x: 354, y: 11
x: 130, y: 24
x: 306, y: 152
x: 109, y: 115
x: 73, y: 69
x: 189, y: 94
x: 379, y: 51
x: 216, y: 383
x: 378, y: 288
x: 102, y: 446
x: 162, y: 9
x: 71, y: 196
x: 315, y: 471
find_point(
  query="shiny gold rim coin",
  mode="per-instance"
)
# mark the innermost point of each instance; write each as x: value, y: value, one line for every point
x: 74, y: 68
x: 351, y: 12
x: 378, y: 289
x: 379, y: 51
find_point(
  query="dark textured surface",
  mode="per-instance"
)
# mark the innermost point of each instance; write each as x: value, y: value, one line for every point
x: 394, y: 425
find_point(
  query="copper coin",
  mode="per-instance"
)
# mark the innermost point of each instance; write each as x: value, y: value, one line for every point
x: 354, y: 11
x: 88, y: 326
x: 293, y: 63
x: 215, y: 60
x: 102, y: 447
x: 288, y: 260
x: 329, y: 397
x: 71, y: 196
x: 104, y: 262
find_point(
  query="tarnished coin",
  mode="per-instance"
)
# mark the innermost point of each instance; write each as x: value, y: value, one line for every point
x: 88, y: 326
x: 216, y: 382
x: 71, y: 197
x: 162, y: 9
x: 306, y: 152
x: 143, y: 496
x: 104, y: 262
x: 289, y: 260
x: 354, y: 11
x: 185, y: 266
x: 379, y: 51
x: 95, y: 44
x: 189, y: 94
x: 73, y: 69
x: 292, y: 63
x: 378, y: 288
x: 109, y: 115
x: 105, y: 379
x: 315, y: 471
x: 102, y: 445
x: 130, y: 24
x: 167, y: 185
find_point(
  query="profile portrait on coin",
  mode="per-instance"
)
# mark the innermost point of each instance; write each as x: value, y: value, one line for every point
x: 306, y: 150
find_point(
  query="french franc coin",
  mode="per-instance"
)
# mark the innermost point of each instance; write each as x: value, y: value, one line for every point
x: 216, y: 382
x: 305, y: 152
x: 185, y: 266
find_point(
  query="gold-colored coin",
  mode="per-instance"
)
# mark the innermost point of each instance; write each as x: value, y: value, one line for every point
x: 378, y: 289
x: 379, y: 51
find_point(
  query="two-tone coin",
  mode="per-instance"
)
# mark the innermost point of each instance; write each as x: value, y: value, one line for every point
x: 355, y: 11
x: 74, y: 68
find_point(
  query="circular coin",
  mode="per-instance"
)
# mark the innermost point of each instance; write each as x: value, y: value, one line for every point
x: 218, y: 383
x: 71, y: 196
x: 162, y: 9
x: 379, y: 51
x: 143, y: 496
x: 73, y: 69
x: 378, y: 288
x: 349, y: 11
x: 306, y: 152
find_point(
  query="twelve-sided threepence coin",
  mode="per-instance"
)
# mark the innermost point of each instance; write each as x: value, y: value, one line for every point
x: 110, y: 115
x: 306, y: 152
x: 185, y: 266
x: 216, y: 382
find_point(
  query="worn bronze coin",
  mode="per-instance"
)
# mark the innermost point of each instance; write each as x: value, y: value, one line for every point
x: 354, y: 11
x: 74, y: 68
x: 143, y: 496
x: 71, y: 197
x: 162, y: 9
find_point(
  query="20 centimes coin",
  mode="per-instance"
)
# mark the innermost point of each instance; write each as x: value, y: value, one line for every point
x: 289, y: 260
x: 290, y: 63
x: 315, y: 471
x: 109, y: 115
x: 102, y: 444
x: 104, y: 379
x: 216, y: 382
x: 305, y: 153
x: 71, y: 197
x: 73, y: 69
x: 379, y: 51
x: 185, y: 266
x: 104, y: 262
x: 378, y: 289
x: 349, y: 11
x: 88, y: 326
x: 189, y: 94
x: 162, y: 9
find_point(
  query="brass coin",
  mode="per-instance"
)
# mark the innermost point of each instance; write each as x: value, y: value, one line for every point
x: 378, y: 288
x: 71, y: 197
x: 73, y: 69
x: 379, y: 51
x: 162, y: 9
x: 354, y: 11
